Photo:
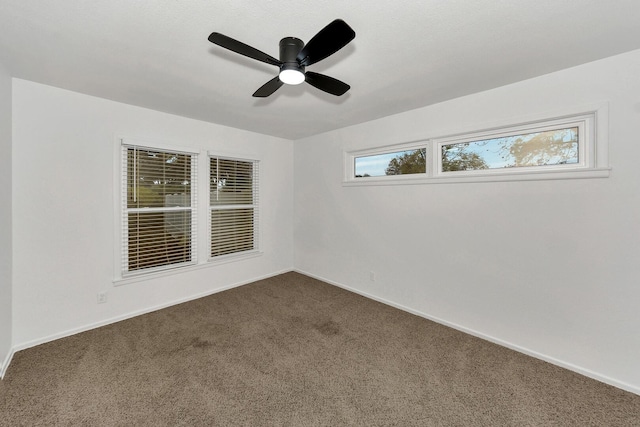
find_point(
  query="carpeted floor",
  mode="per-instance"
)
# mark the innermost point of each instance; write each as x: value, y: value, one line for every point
x: 294, y: 351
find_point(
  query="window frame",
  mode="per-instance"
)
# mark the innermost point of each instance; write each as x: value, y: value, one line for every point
x: 592, y: 122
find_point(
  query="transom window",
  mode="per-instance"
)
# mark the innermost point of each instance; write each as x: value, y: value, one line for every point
x: 550, y: 147
x: 547, y: 149
x: 559, y: 146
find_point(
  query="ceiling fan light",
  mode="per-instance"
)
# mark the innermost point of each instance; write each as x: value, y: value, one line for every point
x: 291, y: 77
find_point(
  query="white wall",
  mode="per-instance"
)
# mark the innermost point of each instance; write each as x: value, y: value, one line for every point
x: 5, y: 218
x: 63, y: 197
x: 549, y: 267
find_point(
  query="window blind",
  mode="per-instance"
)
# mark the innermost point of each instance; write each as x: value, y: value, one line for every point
x: 233, y: 206
x: 158, y: 209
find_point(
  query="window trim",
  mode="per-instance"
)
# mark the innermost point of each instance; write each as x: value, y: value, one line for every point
x: 593, y: 153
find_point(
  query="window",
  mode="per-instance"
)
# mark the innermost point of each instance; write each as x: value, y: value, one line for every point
x: 162, y: 228
x: 545, y: 149
x: 539, y: 148
x: 553, y: 145
x: 233, y: 210
x: 158, y: 209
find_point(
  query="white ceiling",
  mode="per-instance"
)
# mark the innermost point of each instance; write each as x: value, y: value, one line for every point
x: 406, y: 54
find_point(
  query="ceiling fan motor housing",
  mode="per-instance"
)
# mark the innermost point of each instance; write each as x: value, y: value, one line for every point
x: 289, y: 49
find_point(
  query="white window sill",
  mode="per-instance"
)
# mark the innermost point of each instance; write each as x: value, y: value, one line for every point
x: 212, y: 262
x: 481, y: 177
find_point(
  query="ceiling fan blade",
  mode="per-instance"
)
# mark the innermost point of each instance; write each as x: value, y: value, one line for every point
x: 268, y: 88
x: 242, y: 49
x: 328, y: 41
x: 326, y: 83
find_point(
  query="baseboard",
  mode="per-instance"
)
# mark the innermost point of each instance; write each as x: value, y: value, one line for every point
x: 69, y: 332
x: 561, y: 363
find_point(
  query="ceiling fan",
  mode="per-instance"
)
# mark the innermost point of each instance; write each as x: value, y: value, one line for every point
x: 295, y: 56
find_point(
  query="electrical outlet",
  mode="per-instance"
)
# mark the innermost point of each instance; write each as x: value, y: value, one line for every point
x: 102, y: 297
x: 372, y: 276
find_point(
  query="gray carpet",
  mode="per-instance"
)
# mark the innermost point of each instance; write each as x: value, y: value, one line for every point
x: 294, y: 351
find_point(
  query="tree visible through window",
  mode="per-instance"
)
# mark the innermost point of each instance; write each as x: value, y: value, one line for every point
x: 408, y: 162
